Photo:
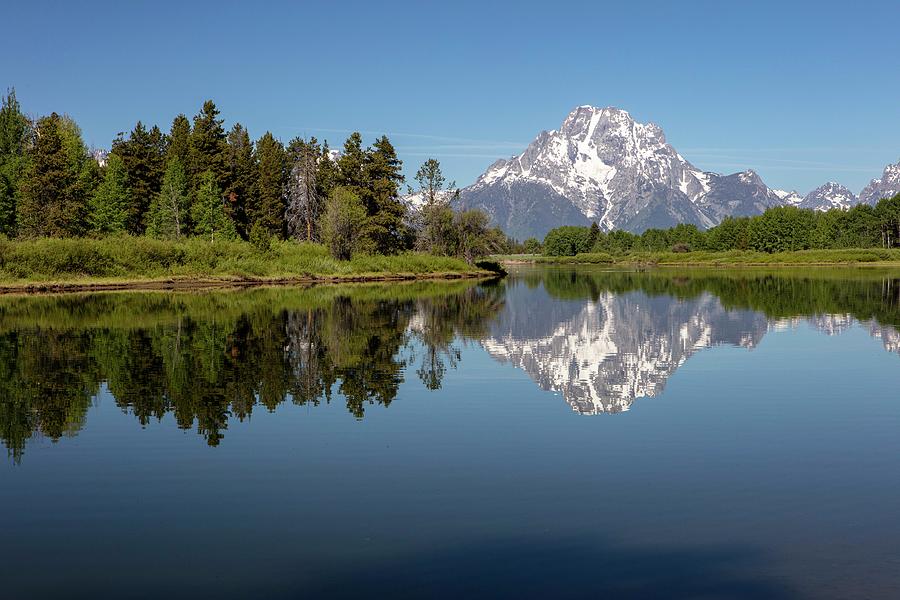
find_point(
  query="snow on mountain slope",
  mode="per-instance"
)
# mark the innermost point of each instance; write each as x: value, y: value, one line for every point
x: 602, y: 165
x: 828, y: 196
x: 887, y: 186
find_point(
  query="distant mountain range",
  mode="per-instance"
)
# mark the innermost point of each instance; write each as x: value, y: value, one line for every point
x: 602, y: 165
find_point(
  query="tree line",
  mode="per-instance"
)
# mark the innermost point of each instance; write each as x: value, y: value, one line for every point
x: 199, y: 179
x: 778, y: 229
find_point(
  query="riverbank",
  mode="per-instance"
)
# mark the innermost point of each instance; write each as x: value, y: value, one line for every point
x: 60, y: 265
x: 733, y: 258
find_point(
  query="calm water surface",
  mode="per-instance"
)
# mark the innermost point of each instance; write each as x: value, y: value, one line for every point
x: 563, y: 433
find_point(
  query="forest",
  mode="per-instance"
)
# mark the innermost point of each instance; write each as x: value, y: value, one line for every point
x: 199, y: 180
x: 778, y: 229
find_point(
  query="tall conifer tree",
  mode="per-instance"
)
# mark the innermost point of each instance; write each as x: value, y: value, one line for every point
x: 208, y: 146
x: 241, y: 163
x: 267, y: 209
x: 143, y: 155
x: 52, y: 201
x: 15, y: 131
x: 109, y: 203
x: 384, y: 176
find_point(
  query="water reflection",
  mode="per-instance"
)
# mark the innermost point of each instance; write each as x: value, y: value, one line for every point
x: 600, y: 339
x: 206, y: 358
x: 604, y: 338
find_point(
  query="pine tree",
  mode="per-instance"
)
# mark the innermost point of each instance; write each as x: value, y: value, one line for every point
x: 241, y: 163
x: 267, y: 210
x: 430, y: 180
x: 169, y: 210
x: 109, y: 203
x: 351, y: 166
x: 51, y: 202
x: 383, y: 173
x: 142, y: 154
x: 208, y: 211
x: 179, y: 141
x: 304, y: 205
x: 15, y: 131
x: 207, y: 149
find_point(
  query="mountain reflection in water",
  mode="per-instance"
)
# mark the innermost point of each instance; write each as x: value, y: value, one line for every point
x: 599, y: 338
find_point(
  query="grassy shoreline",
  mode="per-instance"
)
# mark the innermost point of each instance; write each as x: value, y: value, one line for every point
x: 868, y: 257
x: 57, y: 265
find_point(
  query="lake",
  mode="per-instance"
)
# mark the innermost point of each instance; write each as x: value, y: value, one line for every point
x: 566, y: 432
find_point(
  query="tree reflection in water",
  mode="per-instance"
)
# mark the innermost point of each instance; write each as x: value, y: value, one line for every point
x: 206, y: 358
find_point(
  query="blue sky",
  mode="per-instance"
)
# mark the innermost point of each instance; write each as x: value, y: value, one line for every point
x: 801, y: 92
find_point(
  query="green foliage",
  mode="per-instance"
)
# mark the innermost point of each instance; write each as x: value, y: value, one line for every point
x: 15, y: 131
x: 532, y: 246
x: 267, y: 208
x: 242, y: 176
x: 343, y: 224
x: 567, y: 240
x: 260, y: 238
x: 143, y: 155
x: 55, y: 188
x: 168, y: 215
x: 782, y: 229
x: 491, y: 265
x: 207, y: 147
x: 110, y: 202
x: 381, y: 196
x: 52, y: 259
x: 208, y: 211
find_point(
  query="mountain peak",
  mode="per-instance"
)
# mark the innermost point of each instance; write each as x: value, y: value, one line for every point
x: 885, y: 186
x: 603, y: 166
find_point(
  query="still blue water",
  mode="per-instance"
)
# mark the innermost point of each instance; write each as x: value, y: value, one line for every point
x: 636, y: 439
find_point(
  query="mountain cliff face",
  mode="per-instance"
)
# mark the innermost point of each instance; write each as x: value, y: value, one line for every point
x: 886, y: 186
x: 603, y: 166
x: 828, y: 196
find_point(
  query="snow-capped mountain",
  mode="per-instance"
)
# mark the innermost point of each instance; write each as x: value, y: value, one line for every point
x: 828, y: 196
x: 602, y: 165
x: 789, y: 198
x: 886, y: 186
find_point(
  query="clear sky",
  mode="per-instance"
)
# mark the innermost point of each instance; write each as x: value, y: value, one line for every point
x: 803, y: 92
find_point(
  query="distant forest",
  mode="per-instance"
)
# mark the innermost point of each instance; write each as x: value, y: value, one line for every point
x: 201, y: 180
x: 778, y: 229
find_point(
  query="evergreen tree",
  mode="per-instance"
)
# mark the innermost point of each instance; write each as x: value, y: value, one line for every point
x: 327, y: 174
x: 267, y: 209
x: 304, y: 205
x: 109, y: 204
x: 179, y: 141
x: 142, y: 154
x: 15, y: 131
x: 351, y: 166
x: 169, y: 210
x: 207, y: 148
x: 383, y: 174
x: 51, y: 200
x: 430, y: 180
x: 241, y: 163
x: 208, y: 211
